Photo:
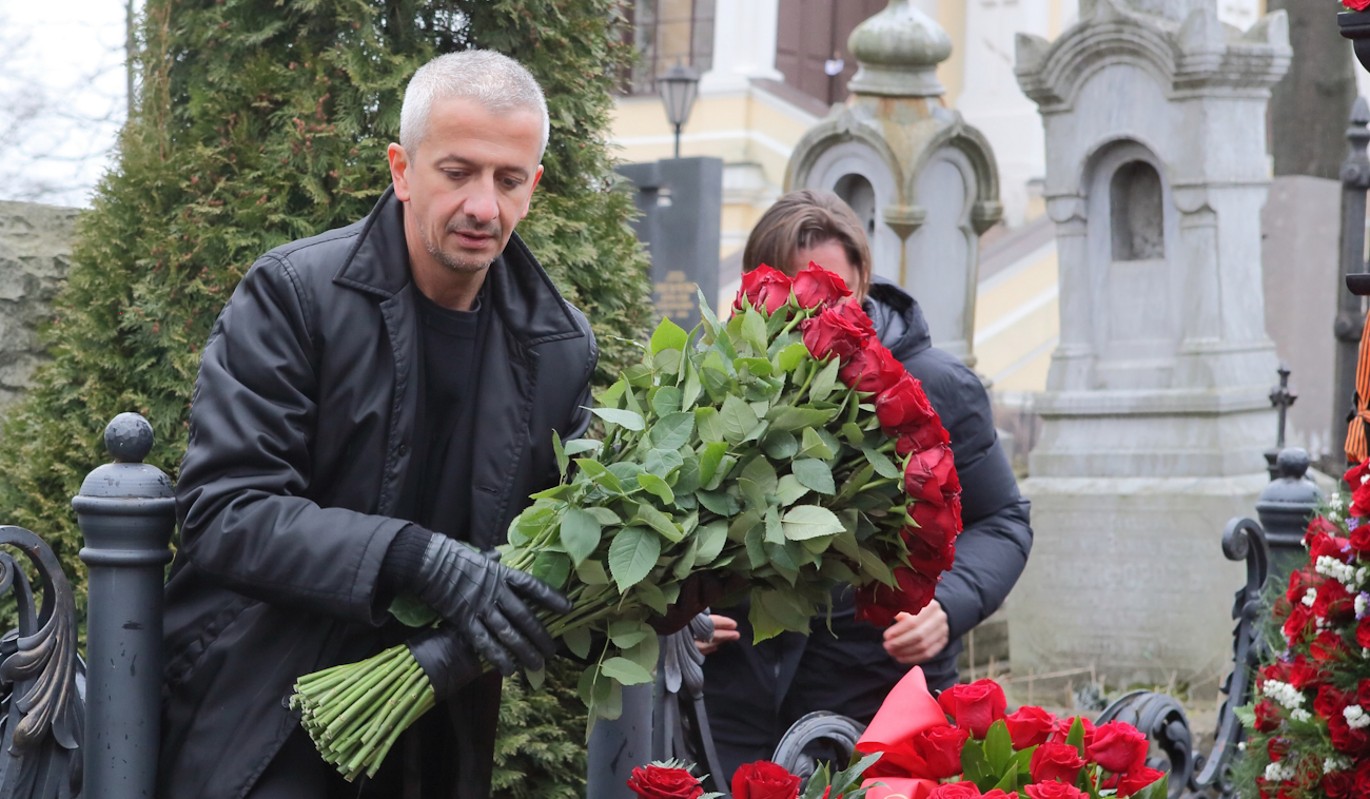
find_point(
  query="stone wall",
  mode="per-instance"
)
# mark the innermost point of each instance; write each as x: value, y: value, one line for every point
x: 35, y: 251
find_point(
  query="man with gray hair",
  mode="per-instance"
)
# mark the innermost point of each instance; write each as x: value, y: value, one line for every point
x: 374, y: 406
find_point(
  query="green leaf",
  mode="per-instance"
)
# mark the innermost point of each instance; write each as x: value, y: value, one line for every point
x: 710, y: 455
x: 628, y: 420
x: 665, y: 401
x: 673, y: 430
x: 711, y: 537
x: 738, y: 419
x: 625, y: 671
x: 882, y: 463
x: 577, y: 640
x: 721, y: 502
x: 667, y: 336
x: 724, y: 470
x: 627, y: 633
x: 579, y: 445
x: 599, y: 475
x: 662, y: 462
x: 647, y: 651
x: 685, y: 561
x: 710, y: 425
x: 760, y: 472
x: 975, y: 766
x: 754, y: 330
x: 650, y: 594
x: 998, y: 746
x: 632, y: 554
x: 758, y: 367
x: 591, y: 572
x: 788, y: 417
x: 552, y: 568
x: 814, y: 474
x: 789, y: 490
x: 411, y: 611
x: 780, y: 445
x: 657, y: 487
x: 1076, y: 736
x: 803, y: 522
x: 658, y: 521
x: 605, y: 516
x: 580, y: 534
x: 692, y: 387
x: 814, y: 445
x: 783, y: 561
x: 825, y: 381
x: 774, y: 533
x: 773, y: 613
x: 790, y: 356
x: 562, y: 461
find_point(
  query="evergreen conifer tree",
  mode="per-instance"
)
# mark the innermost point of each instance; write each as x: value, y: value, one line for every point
x: 259, y: 122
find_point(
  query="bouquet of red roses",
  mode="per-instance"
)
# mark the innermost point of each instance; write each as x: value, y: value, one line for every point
x: 1309, y: 726
x: 785, y: 450
x: 760, y: 780
x: 964, y: 744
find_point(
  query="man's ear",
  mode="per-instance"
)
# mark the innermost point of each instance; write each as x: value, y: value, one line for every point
x: 399, y: 170
x: 537, y: 176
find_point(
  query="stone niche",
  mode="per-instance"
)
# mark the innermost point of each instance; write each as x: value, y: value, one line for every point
x: 35, y: 251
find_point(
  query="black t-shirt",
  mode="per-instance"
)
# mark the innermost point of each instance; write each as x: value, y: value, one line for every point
x: 449, y: 341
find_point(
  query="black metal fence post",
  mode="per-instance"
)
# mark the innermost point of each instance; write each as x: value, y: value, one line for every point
x: 1284, y: 508
x: 1355, y: 182
x: 126, y: 513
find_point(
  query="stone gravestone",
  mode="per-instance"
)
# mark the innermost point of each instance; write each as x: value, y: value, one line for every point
x: 680, y: 201
x: 922, y: 179
x: 35, y: 251
x: 1156, y: 412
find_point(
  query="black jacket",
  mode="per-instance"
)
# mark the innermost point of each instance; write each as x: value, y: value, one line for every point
x: 300, y: 443
x: 848, y: 670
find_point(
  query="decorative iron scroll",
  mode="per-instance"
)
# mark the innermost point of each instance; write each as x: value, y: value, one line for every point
x: 834, y: 733
x: 1164, y: 720
x: 42, y: 707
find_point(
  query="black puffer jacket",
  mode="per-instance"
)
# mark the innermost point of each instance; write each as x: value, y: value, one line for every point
x: 300, y: 442
x: 750, y: 688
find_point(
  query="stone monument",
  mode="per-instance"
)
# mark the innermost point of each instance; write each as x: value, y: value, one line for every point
x: 1157, y: 407
x: 922, y: 179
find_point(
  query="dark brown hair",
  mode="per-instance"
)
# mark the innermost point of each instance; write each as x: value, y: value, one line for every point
x: 803, y: 219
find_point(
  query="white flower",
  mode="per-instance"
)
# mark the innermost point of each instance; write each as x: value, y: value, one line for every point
x: 1279, y: 772
x: 1300, y: 714
x: 1310, y: 596
x: 1361, y: 604
x: 1335, y: 763
x: 1356, y: 718
x: 1283, y: 693
x: 1343, y: 573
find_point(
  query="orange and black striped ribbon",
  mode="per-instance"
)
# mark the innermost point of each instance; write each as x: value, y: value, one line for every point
x: 1360, y: 417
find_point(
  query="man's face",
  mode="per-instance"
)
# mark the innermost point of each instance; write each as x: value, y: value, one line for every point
x: 468, y: 184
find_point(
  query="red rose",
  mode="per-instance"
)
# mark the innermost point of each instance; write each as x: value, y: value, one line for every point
x: 922, y: 437
x: 815, y: 286
x: 765, y: 289
x: 1063, y: 726
x: 904, y: 407
x: 1358, y: 479
x: 1054, y: 790
x: 1055, y: 761
x: 1330, y: 701
x: 938, y: 751
x: 974, y: 706
x: 1333, y: 602
x: 1363, y: 632
x: 1137, y: 779
x: 927, y: 557
x: 1299, y: 624
x: 830, y: 333
x: 1363, y: 693
x: 937, y: 523
x: 1360, y: 540
x: 1346, y: 739
x: 877, y: 603
x: 1339, y: 784
x: 1029, y: 726
x: 659, y: 782
x: 1319, y: 526
x: 1267, y: 716
x: 1327, y: 645
x: 871, y: 369
x: 1357, y: 5
x: 999, y: 793
x: 1363, y: 778
x: 1330, y: 546
x: 764, y: 780
x: 930, y: 475
x: 1276, y: 748
x: 1303, y: 674
x: 959, y: 790
x: 854, y: 313
x: 1118, y: 747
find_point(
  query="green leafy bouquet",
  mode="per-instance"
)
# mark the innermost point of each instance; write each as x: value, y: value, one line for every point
x: 786, y: 450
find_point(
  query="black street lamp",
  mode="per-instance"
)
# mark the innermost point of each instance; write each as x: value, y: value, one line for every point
x: 678, y: 87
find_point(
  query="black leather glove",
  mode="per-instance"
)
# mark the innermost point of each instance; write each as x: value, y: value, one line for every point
x: 488, y: 603
x: 446, y: 658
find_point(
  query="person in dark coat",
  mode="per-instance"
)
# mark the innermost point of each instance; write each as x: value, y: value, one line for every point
x: 753, y: 693
x: 374, y: 406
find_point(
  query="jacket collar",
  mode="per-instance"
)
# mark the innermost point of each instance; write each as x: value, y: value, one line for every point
x: 516, y: 285
x: 898, y: 318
